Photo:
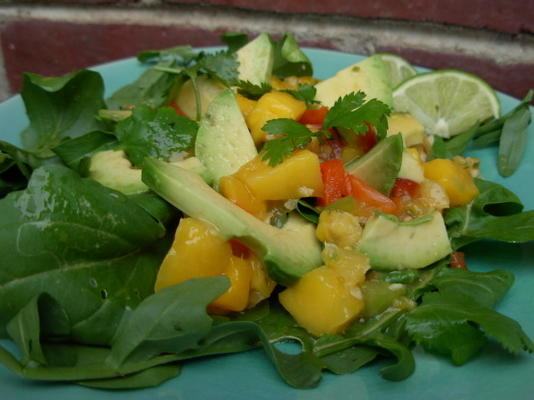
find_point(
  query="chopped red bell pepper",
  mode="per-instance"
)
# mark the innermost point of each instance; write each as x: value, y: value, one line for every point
x: 404, y: 188
x: 314, y: 116
x: 457, y: 260
x: 370, y: 196
x: 333, y: 174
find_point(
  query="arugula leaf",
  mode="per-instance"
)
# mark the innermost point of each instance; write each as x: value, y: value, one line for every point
x: 289, y: 59
x: 443, y: 324
x: 90, y: 247
x: 455, y: 146
x: 349, y: 360
x: 253, y: 91
x: 171, y: 320
x: 513, y: 141
x: 41, y: 316
x: 308, y: 211
x: 150, y: 377
x: 305, y: 93
x: 494, y: 214
x: 59, y: 108
x: 352, y: 112
x: 155, y: 133
x: 234, y: 40
x: 73, y: 152
x: 186, y: 53
x: 294, y: 136
x: 154, y: 88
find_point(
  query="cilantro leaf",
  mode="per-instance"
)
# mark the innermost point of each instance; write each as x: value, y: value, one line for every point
x: 234, y: 40
x: 222, y: 65
x: 294, y: 136
x: 252, y: 91
x: 305, y: 93
x: 155, y: 133
x: 352, y: 112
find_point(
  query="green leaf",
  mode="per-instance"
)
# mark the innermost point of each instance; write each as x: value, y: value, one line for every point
x: 352, y: 112
x: 150, y: 377
x: 305, y: 93
x: 155, y: 133
x: 293, y: 136
x: 289, y: 59
x: 234, y: 40
x: 308, y: 211
x: 153, y: 88
x: 513, y: 141
x: 252, y: 91
x: 59, y: 108
x: 350, y: 360
x: 74, y: 151
x: 89, y: 247
x: 443, y: 324
x: 185, y: 53
x: 171, y: 320
x: 442, y: 148
x: 222, y: 65
x: 494, y: 214
x: 40, y: 317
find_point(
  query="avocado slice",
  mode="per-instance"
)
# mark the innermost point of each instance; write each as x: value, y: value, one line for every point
x: 208, y: 88
x: 411, y: 168
x: 112, y: 169
x: 381, y: 165
x: 288, y: 253
x: 394, y: 245
x: 370, y: 76
x: 256, y: 60
x: 223, y: 142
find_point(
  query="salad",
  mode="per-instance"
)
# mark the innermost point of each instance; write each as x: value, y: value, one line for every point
x: 228, y: 201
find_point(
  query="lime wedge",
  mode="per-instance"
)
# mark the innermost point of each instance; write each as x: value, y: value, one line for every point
x: 399, y: 69
x: 446, y: 102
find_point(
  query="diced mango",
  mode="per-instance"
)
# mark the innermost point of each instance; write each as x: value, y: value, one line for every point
x: 246, y: 105
x: 261, y: 286
x: 197, y: 252
x: 456, y: 181
x: 351, y: 265
x: 238, y: 193
x: 339, y: 227
x: 239, y: 271
x: 321, y: 301
x: 411, y: 130
x: 272, y: 105
x: 297, y: 176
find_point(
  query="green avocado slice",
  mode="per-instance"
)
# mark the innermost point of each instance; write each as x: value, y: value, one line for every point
x: 394, y: 245
x: 288, y: 253
x: 381, y: 165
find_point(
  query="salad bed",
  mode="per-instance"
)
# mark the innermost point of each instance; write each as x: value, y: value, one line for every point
x: 360, y: 343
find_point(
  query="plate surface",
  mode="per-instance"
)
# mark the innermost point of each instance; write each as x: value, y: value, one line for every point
x: 494, y: 374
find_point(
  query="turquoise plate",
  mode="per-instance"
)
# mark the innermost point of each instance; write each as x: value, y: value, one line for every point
x: 494, y: 374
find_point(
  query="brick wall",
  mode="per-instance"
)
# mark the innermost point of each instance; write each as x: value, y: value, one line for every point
x: 494, y: 39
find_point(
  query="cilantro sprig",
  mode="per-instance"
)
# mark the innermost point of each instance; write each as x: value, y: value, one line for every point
x: 350, y: 112
x: 305, y: 93
x: 353, y: 112
x: 291, y: 134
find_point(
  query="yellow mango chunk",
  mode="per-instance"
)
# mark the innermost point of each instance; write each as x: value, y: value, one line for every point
x: 261, y: 286
x: 246, y: 105
x: 339, y: 227
x: 297, y: 176
x: 456, y: 181
x: 238, y: 193
x: 411, y: 130
x: 239, y: 271
x: 272, y: 105
x: 351, y: 265
x: 321, y: 301
x: 197, y: 252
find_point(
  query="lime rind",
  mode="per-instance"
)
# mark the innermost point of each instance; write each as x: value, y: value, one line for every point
x: 446, y: 102
x: 399, y: 69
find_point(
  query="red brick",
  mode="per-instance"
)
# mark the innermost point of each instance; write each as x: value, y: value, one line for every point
x: 513, y: 79
x: 55, y: 48
x: 500, y: 15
